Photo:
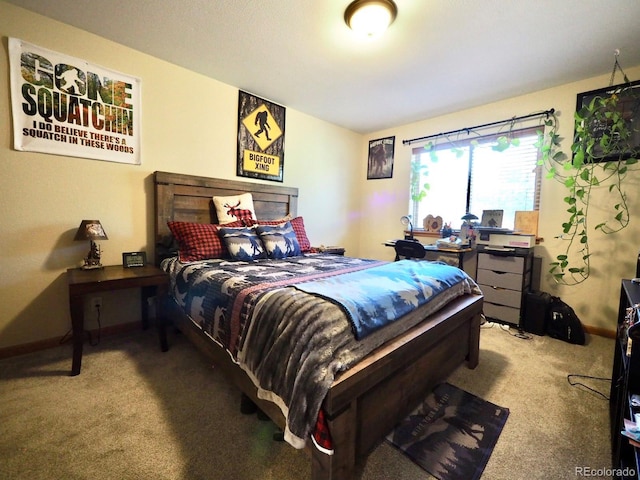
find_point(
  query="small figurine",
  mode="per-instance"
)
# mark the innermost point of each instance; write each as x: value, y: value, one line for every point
x: 93, y: 257
x: 446, y: 230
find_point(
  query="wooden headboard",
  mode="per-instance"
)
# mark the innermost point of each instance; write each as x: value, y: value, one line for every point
x: 189, y: 198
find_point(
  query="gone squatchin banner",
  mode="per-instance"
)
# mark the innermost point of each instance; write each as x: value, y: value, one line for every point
x: 65, y: 106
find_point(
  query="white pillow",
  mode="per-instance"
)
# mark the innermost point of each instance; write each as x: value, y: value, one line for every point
x: 235, y: 207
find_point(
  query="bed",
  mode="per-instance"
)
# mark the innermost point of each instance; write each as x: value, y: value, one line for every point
x: 363, y: 403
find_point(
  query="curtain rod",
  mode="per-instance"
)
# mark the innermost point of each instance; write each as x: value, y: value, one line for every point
x: 468, y: 129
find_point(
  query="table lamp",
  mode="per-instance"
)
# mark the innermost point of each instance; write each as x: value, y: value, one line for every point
x: 91, y: 230
x: 406, y: 220
x: 467, y: 217
x: 466, y: 229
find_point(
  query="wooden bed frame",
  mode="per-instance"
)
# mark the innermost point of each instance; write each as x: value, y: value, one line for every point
x: 365, y: 402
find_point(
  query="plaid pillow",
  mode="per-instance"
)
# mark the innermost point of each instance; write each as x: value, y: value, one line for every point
x: 279, y: 240
x: 298, y: 226
x: 198, y: 241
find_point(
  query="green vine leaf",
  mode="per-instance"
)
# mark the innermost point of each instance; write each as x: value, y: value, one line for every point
x: 602, y: 154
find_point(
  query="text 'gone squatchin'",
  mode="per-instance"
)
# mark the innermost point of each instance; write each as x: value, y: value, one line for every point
x: 67, y: 94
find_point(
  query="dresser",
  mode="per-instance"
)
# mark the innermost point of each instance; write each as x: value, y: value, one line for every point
x: 625, y: 381
x: 505, y: 277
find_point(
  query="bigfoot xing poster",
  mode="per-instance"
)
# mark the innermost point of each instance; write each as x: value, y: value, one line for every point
x: 66, y: 106
x: 260, y: 138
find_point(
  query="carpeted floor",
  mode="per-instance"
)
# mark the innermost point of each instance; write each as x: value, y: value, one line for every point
x: 136, y: 413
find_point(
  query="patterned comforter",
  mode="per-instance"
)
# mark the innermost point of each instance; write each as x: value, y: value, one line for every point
x: 274, y: 319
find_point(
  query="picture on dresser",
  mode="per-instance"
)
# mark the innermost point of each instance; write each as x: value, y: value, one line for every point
x: 260, y: 138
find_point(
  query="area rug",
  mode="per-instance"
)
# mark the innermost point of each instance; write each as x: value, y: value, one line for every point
x: 451, y: 434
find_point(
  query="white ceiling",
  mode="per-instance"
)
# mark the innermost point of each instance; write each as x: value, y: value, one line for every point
x: 439, y: 56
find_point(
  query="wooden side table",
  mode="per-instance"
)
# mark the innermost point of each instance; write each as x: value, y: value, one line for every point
x: 151, y: 280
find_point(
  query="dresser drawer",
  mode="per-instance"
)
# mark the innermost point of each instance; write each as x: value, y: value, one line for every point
x: 500, y: 279
x: 501, y: 263
x: 500, y: 312
x: 502, y: 296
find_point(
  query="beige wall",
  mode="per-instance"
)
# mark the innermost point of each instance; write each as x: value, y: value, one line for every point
x: 613, y: 256
x: 189, y: 126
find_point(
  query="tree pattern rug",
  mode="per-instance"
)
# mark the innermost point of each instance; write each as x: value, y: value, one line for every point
x: 451, y: 434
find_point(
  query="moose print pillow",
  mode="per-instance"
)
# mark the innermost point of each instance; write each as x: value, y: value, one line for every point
x: 235, y: 207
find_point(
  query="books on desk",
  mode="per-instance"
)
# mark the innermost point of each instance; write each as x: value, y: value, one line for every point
x: 447, y: 243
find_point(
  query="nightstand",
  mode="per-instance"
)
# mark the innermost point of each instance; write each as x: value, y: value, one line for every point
x: 151, y: 280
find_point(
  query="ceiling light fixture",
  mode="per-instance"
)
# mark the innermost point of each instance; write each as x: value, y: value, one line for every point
x: 370, y: 17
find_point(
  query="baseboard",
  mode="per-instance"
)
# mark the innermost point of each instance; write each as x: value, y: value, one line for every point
x: 25, y: 348
x: 602, y: 332
x: 15, y: 350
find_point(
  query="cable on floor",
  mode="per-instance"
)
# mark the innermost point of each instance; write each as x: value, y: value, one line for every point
x: 586, y: 386
x: 69, y: 333
x: 91, y: 342
x: 521, y: 334
x: 66, y: 336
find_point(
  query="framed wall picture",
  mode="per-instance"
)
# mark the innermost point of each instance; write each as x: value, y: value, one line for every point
x: 260, y: 138
x: 599, y: 124
x: 380, y: 164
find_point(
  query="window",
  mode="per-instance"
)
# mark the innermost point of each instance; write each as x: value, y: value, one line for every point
x: 475, y: 175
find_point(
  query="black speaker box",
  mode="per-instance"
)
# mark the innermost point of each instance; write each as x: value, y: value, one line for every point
x: 535, y: 312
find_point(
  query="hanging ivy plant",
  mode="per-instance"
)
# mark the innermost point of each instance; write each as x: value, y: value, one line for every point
x: 418, y: 191
x: 605, y: 149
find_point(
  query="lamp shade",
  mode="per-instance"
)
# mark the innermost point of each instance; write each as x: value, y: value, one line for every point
x: 90, y: 230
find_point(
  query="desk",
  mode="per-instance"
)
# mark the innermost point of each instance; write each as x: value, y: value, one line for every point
x: 457, y: 254
x: 151, y: 280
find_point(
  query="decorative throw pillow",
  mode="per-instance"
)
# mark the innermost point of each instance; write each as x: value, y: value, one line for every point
x: 279, y: 241
x: 298, y: 227
x: 235, y: 208
x: 198, y: 241
x: 242, y: 243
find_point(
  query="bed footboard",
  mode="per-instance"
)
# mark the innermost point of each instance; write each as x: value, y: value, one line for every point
x: 366, y: 402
